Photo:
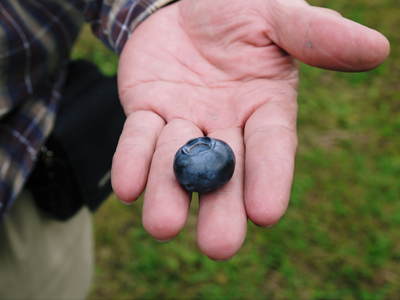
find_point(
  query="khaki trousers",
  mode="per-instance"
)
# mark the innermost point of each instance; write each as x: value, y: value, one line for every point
x: 41, y: 258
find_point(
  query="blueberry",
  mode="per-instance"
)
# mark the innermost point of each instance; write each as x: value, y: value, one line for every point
x: 204, y: 164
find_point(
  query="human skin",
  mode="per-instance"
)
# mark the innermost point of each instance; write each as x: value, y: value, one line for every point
x: 228, y: 70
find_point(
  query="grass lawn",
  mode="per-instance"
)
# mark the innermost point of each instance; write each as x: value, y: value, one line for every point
x: 340, y: 236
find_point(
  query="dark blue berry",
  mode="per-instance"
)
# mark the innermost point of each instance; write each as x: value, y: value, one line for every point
x: 204, y: 164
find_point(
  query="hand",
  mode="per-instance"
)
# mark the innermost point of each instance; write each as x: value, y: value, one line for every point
x: 225, y: 69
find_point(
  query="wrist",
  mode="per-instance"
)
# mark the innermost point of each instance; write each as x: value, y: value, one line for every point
x: 130, y: 16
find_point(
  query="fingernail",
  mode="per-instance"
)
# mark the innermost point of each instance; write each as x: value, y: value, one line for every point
x: 127, y: 203
x: 162, y: 241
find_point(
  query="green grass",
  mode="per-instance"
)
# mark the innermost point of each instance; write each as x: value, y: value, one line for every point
x: 340, y: 236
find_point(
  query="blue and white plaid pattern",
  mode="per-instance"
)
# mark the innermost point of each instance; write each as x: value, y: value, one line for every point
x: 36, y: 37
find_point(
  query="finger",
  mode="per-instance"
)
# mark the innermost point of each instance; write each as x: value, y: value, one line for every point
x: 222, y: 217
x: 166, y: 204
x: 270, y: 141
x: 133, y: 154
x: 324, y: 39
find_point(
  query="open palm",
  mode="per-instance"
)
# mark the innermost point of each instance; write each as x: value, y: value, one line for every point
x: 225, y: 69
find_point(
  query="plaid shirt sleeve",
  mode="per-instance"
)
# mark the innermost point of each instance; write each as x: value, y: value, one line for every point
x: 114, y: 21
x: 36, y: 38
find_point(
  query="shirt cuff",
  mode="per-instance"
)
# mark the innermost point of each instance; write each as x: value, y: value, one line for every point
x: 115, y: 20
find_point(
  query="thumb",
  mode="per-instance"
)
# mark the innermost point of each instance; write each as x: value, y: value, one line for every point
x: 323, y: 38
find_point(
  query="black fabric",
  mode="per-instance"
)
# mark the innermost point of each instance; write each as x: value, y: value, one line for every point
x: 74, y: 164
